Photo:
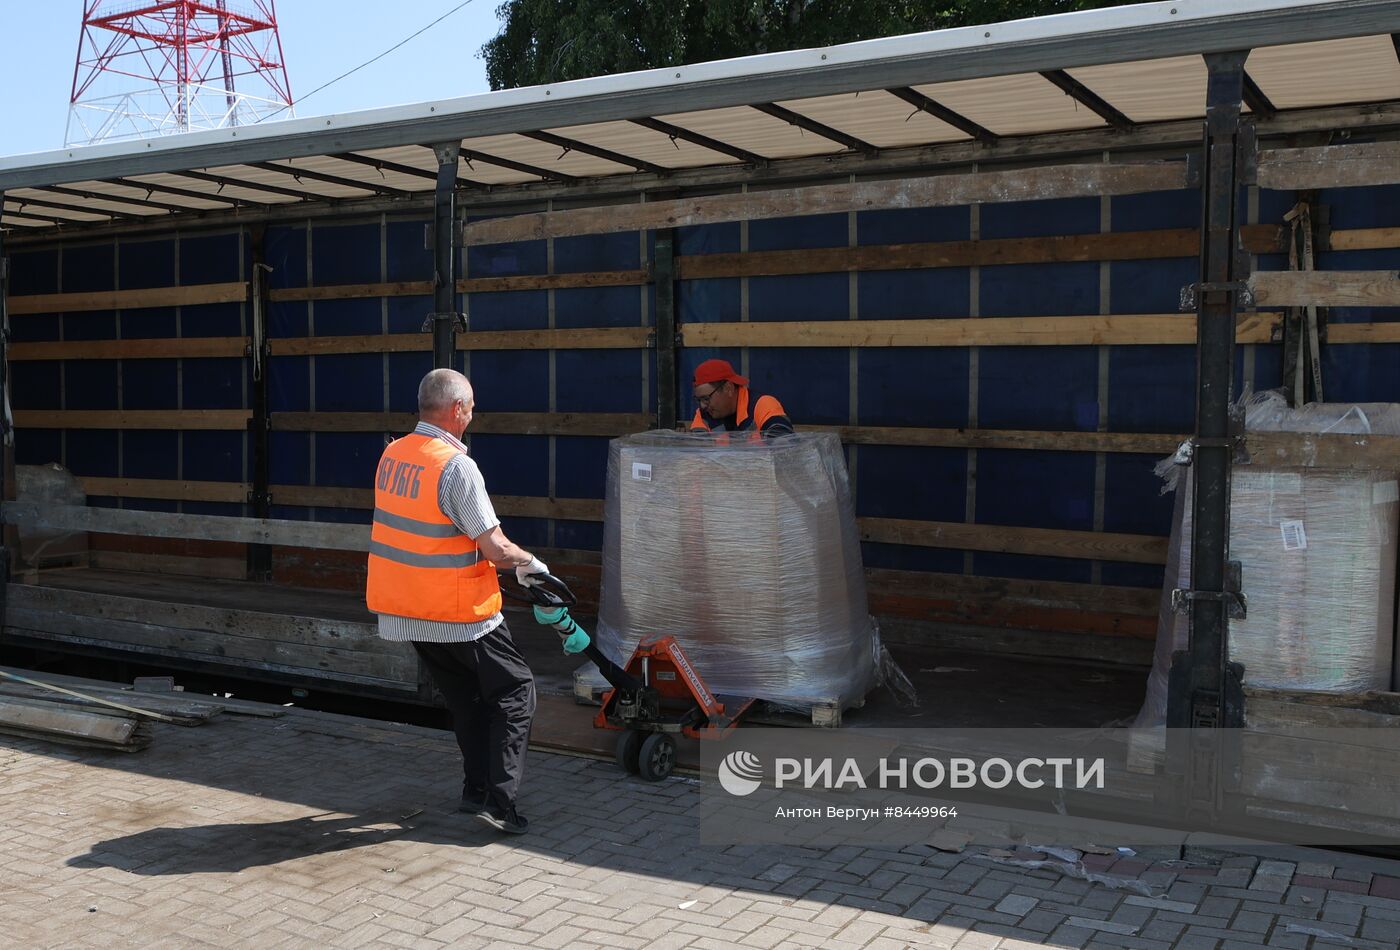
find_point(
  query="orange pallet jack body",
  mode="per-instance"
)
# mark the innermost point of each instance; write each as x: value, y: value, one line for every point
x: 673, y: 700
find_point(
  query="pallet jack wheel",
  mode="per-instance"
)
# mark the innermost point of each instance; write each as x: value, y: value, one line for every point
x: 657, y: 757
x: 629, y: 751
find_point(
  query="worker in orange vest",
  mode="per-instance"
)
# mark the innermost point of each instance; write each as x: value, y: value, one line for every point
x: 725, y: 403
x: 433, y: 553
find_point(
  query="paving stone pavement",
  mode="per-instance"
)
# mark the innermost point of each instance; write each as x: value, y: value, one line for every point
x: 315, y: 830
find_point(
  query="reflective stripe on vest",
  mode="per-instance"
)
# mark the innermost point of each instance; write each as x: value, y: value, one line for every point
x: 414, y: 559
x: 426, y: 529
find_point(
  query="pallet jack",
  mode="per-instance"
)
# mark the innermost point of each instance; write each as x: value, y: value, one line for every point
x: 655, y: 697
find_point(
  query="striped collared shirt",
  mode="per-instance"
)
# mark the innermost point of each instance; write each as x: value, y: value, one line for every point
x: 462, y: 497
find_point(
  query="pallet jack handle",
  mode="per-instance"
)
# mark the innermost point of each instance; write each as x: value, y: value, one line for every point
x: 551, y: 593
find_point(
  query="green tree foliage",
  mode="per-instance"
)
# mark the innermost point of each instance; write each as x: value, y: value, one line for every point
x: 554, y: 40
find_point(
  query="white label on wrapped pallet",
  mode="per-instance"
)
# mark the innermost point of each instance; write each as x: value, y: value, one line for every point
x: 1294, y: 537
x: 641, y: 471
x: 1383, y: 493
x: 1286, y: 483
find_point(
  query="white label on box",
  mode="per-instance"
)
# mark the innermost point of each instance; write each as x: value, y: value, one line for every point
x: 1383, y: 493
x: 1287, y: 483
x: 1294, y: 537
x: 641, y: 471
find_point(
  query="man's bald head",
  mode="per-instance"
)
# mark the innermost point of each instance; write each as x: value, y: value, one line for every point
x: 445, y: 399
x: 440, y: 389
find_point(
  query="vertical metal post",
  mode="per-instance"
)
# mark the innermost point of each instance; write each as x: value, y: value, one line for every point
x: 7, y: 429
x: 1205, y: 688
x: 260, y: 422
x: 664, y: 279
x: 445, y: 319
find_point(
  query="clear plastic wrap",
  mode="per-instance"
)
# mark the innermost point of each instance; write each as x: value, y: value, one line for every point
x: 1317, y: 548
x: 46, y: 486
x: 747, y: 552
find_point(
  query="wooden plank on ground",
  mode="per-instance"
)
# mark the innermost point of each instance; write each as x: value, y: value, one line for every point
x: 1146, y: 443
x: 144, y: 349
x: 588, y: 338
x: 1119, y: 330
x: 118, y: 690
x: 184, y: 713
x: 1029, y: 184
x: 1045, y: 542
x: 232, y: 292
x: 57, y: 723
x: 168, y: 489
x: 164, y: 524
x: 1330, y: 166
x: 1361, y: 288
x: 226, y: 420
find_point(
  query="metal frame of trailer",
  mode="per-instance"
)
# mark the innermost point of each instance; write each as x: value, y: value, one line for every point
x: 1213, y: 97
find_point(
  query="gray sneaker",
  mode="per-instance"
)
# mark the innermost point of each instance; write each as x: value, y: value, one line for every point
x: 504, y: 820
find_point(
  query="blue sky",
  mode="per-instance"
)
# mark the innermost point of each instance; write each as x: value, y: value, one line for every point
x: 320, y: 40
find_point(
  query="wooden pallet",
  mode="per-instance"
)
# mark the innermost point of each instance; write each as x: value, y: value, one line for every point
x: 825, y: 714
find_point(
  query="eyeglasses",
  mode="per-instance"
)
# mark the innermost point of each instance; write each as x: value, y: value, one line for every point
x: 705, y: 399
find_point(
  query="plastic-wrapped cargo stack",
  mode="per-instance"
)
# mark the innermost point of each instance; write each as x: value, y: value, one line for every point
x: 1317, y: 548
x: 745, y: 551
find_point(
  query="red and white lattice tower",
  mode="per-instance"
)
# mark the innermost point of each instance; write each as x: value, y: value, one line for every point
x: 162, y: 66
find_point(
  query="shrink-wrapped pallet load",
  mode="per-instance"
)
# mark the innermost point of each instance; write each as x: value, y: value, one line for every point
x: 1317, y: 549
x: 746, y: 551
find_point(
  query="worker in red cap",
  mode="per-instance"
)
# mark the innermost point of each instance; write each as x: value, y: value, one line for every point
x: 726, y: 404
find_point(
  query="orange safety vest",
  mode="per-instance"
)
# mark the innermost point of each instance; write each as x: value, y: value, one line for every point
x: 420, y: 564
x: 765, y: 408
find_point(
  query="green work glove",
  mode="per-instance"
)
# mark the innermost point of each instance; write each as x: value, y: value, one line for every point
x: 549, y: 617
x: 576, y: 642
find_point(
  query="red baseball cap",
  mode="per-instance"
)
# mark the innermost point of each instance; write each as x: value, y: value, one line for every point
x: 717, y: 371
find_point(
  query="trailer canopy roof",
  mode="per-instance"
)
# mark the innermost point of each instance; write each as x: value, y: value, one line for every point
x: 1122, y: 67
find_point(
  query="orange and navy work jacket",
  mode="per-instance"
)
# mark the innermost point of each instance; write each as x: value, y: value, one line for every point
x: 420, y: 563
x: 768, y: 417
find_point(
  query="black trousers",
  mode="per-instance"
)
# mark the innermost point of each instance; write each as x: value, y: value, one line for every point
x: 490, y: 692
